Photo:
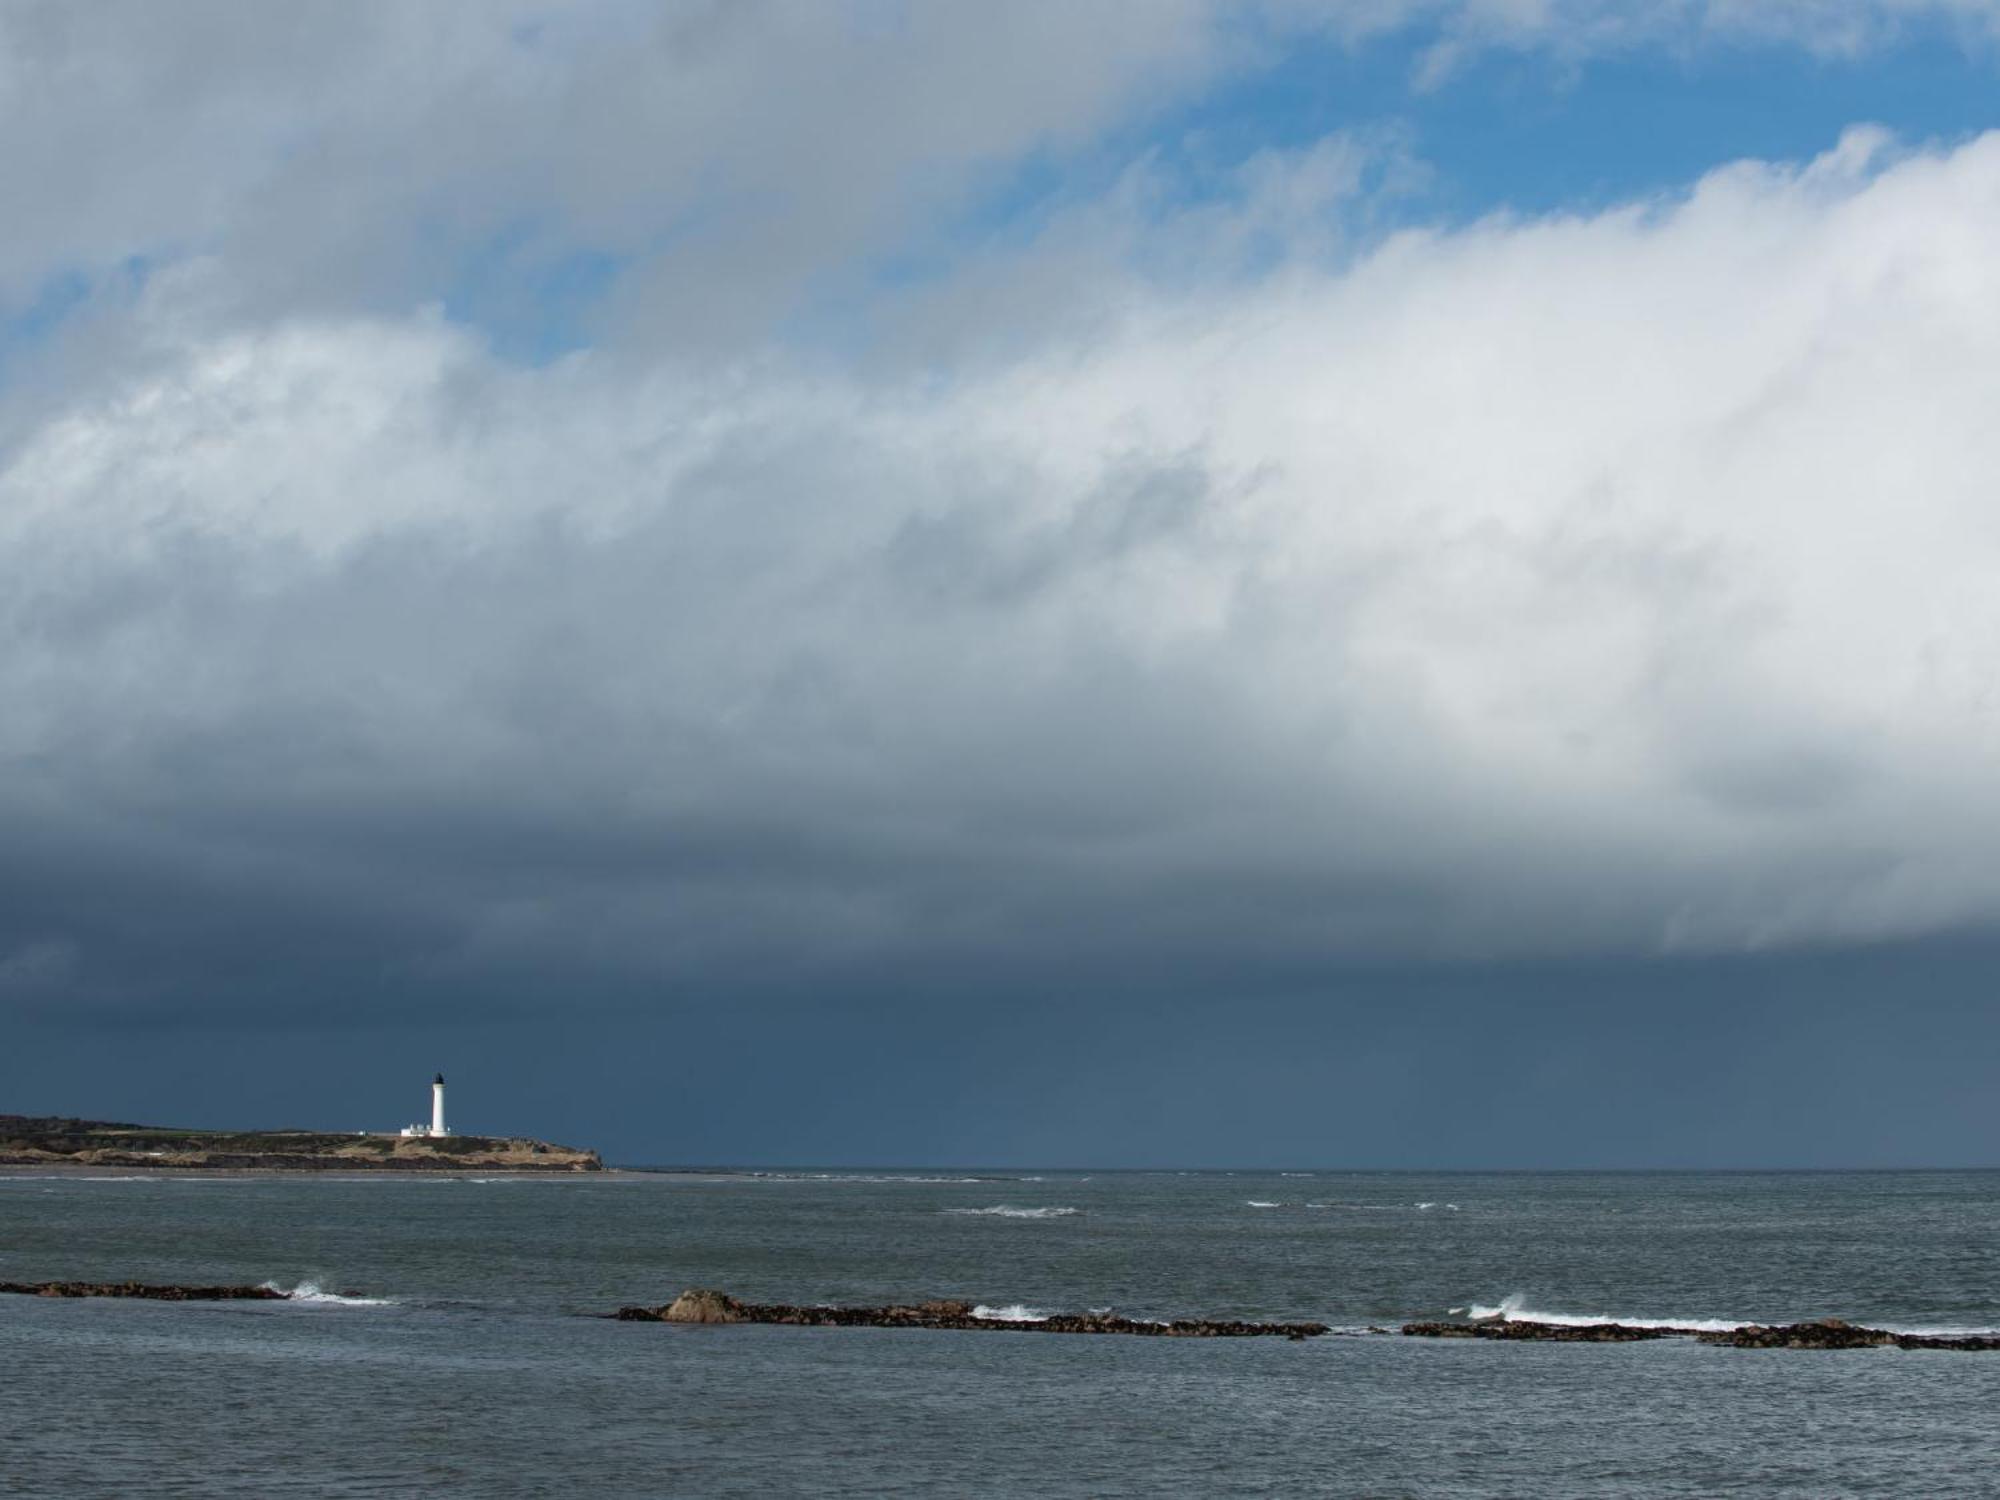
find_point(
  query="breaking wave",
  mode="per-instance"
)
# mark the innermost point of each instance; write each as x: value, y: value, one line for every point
x: 1013, y: 1312
x: 1514, y: 1309
x: 1005, y: 1211
x: 1261, y: 1203
x: 313, y: 1292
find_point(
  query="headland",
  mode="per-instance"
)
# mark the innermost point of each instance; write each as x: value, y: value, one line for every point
x: 49, y: 1141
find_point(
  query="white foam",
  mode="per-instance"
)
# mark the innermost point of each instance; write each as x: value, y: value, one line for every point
x: 1013, y: 1312
x: 312, y: 1292
x: 1514, y: 1309
x: 1261, y: 1203
x: 1006, y: 1211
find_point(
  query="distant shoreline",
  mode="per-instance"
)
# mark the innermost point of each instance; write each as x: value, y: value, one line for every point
x: 49, y: 1141
x: 90, y: 1170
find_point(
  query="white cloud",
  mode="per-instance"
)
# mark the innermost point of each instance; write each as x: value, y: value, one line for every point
x: 729, y: 160
x: 342, y: 157
x: 1618, y: 582
x: 1581, y: 29
x: 1575, y: 32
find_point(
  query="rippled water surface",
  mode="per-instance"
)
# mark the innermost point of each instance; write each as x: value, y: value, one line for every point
x: 449, y: 1346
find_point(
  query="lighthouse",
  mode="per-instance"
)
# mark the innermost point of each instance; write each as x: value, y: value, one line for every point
x: 436, y: 1126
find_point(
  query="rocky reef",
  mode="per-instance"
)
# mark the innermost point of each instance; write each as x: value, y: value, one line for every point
x: 144, y: 1289
x: 1832, y: 1333
x: 30, y: 1141
x: 1826, y: 1333
x: 707, y: 1306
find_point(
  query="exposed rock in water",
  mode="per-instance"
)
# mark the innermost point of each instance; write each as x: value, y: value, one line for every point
x: 1832, y: 1333
x: 1556, y: 1333
x: 702, y: 1305
x: 143, y: 1289
x: 1827, y: 1333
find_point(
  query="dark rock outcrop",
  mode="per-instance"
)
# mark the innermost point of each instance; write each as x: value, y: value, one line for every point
x: 144, y: 1289
x: 703, y: 1305
x: 1827, y: 1333
x: 1832, y: 1333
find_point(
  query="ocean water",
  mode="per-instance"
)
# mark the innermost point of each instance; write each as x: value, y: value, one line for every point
x: 450, y: 1345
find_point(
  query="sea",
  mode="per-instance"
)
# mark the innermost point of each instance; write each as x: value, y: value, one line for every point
x: 448, y: 1335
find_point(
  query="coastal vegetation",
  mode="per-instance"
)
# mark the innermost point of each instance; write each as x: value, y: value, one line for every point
x: 45, y: 1141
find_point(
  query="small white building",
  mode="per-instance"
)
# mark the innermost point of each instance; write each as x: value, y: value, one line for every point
x: 436, y: 1126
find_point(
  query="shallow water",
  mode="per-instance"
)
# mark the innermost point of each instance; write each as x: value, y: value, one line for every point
x: 473, y: 1367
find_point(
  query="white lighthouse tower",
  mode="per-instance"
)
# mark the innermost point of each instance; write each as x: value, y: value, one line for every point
x: 436, y: 1126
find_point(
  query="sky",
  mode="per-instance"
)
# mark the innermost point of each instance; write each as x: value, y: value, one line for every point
x: 1377, y: 583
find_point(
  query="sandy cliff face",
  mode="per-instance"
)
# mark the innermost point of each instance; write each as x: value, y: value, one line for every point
x: 28, y: 1141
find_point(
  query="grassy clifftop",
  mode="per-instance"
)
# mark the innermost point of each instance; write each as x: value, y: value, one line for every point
x: 51, y: 1141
